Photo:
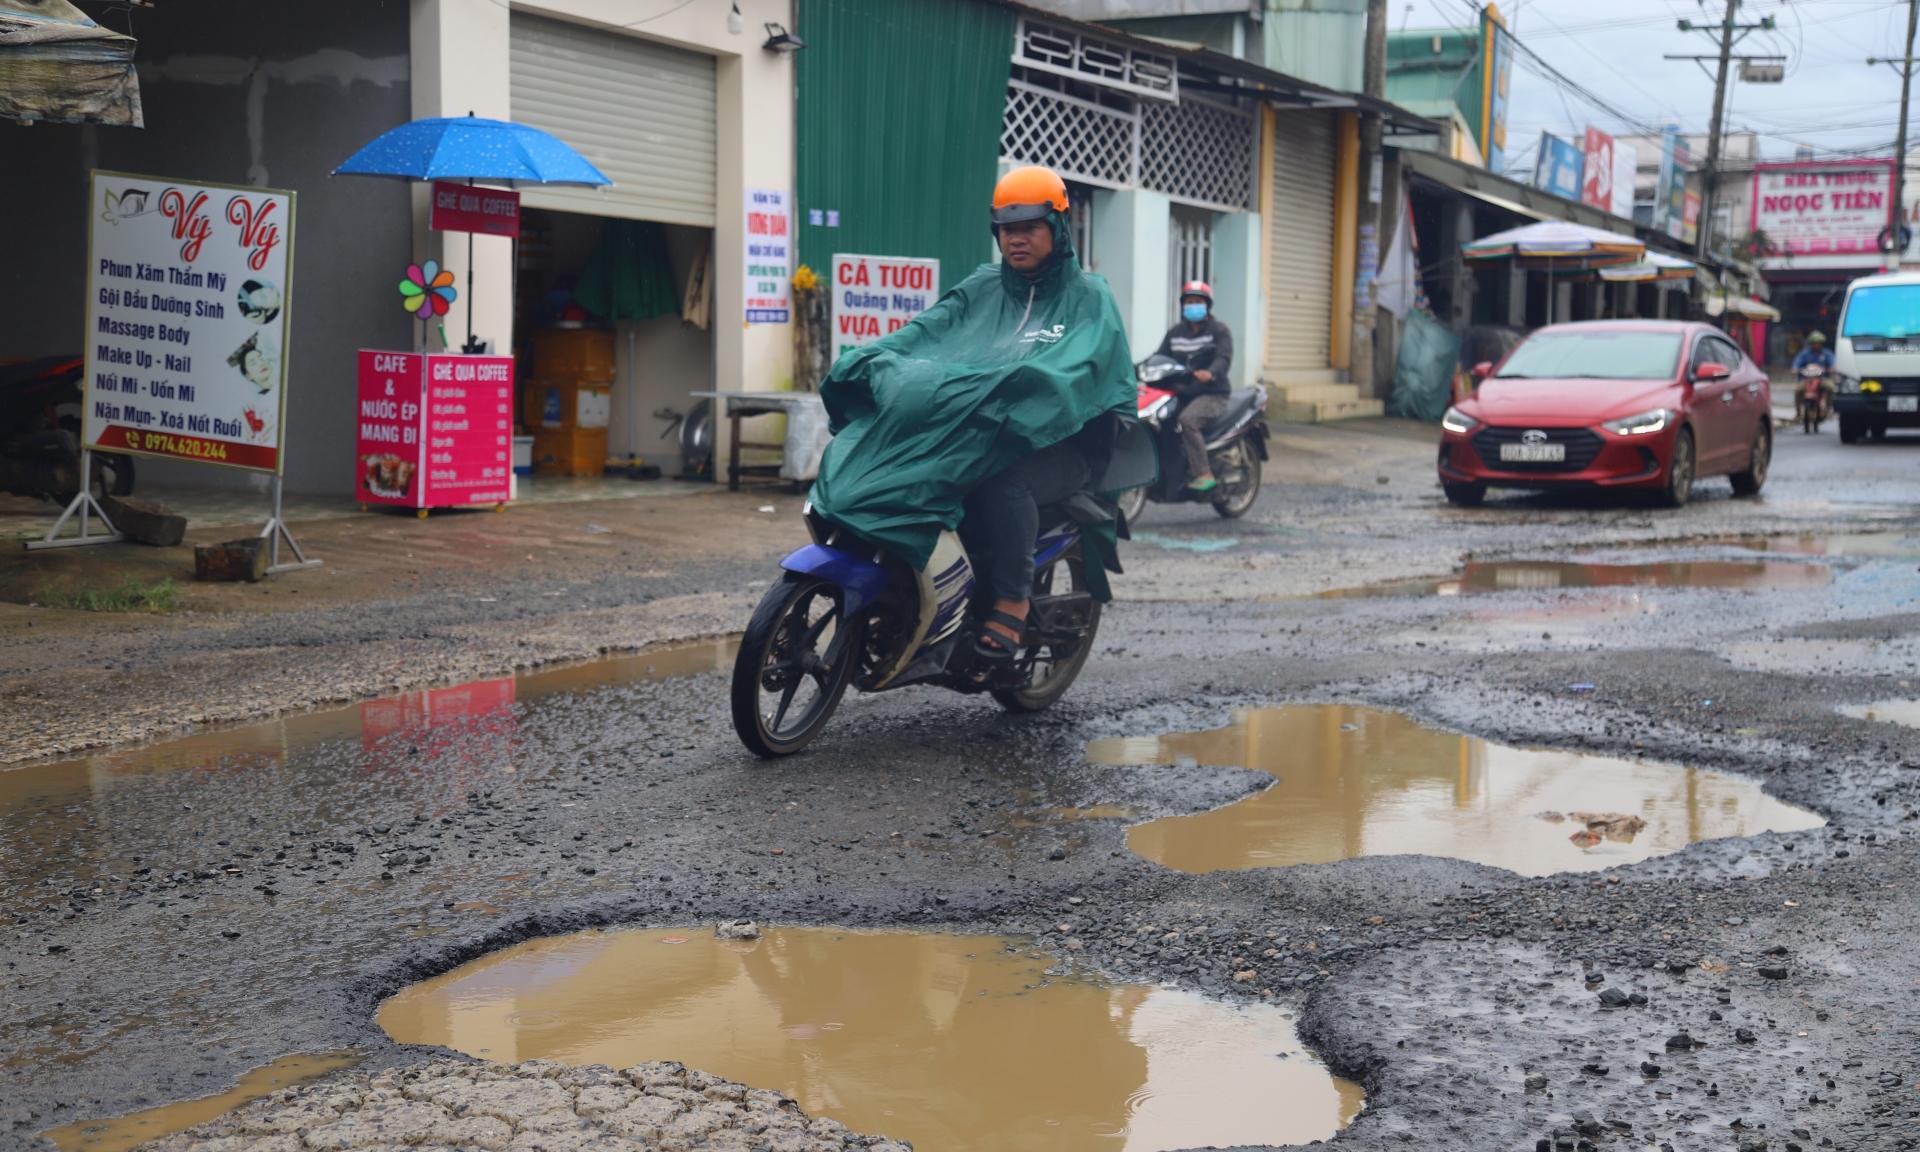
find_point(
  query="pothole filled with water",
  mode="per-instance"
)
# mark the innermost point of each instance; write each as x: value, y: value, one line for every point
x: 1353, y: 781
x: 1905, y: 712
x: 950, y: 1042
x: 125, y: 1132
x: 51, y: 814
x: 1547, y: 575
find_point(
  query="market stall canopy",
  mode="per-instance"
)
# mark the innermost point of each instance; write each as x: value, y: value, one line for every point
x: 56, y: 64
x: 1657, y: 266
x: 1741, y: 306
x: 1557, y: 244
x: 470, y: 148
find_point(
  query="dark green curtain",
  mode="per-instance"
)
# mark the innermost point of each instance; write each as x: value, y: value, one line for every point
x: 898, y: 127
x: 628, y: 277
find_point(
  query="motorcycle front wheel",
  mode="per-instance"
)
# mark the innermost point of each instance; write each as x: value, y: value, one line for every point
x: 1054, y: 663
x: 795, y: 661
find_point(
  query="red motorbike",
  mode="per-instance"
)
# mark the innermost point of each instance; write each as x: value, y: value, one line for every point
x: 1236, y: 445
x: 1813, y: 401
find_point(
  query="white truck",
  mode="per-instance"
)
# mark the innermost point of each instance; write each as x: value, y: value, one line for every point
x: 1877, y: 357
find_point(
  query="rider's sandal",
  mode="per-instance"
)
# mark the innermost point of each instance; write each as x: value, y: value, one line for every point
x: 990, y: 646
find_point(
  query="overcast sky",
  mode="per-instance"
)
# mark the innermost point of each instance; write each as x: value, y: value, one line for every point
x: 1831, y: 99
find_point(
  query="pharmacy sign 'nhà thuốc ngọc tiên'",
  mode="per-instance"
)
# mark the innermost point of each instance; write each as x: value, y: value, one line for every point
x: 188, y: 293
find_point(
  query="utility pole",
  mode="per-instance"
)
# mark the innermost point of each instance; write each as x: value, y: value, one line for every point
x: 1893, y: 240
x: 1726, y: 34
x: 1373, y: 83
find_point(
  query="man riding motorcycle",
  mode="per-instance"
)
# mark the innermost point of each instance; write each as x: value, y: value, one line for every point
x: 1204, y: 347
x: 999, y: 399
x: 1815, y: 353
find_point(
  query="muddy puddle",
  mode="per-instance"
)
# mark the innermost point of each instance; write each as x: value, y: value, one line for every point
x: 124, y: 1132
x: 950, y: 1042
x: 49, y: 812
x: 1900, y: 545
x: 1353, y: 781
x: 1549, y: 575
x: 1905, y: 712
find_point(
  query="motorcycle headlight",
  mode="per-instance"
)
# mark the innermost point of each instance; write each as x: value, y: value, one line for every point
x: 1641, y: 424
x: 1458, y: 421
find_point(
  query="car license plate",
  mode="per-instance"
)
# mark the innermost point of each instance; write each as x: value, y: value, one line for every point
x: 1903, y: 403
x: 1534, y: 453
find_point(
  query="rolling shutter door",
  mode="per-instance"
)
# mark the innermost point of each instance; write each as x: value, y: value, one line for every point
x: 642, y: 112
x: 1300, y: 278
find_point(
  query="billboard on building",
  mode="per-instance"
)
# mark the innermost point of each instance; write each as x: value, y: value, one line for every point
x: 769, y: 256
x: 187, y: 320
x: 1495, y: 79
x: 1822, y: 208
x: 1561, y: 169
x: 1596, y: 186
x: 1626, y: 166
x: 1670, y: 194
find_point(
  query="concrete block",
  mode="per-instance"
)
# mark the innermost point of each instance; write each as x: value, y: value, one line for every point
x: 147, y: 521
x: 234, y: 560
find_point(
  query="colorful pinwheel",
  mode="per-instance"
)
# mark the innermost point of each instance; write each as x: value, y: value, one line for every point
x: 427, y: 292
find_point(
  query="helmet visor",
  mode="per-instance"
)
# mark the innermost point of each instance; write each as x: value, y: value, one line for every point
x: 1019, y: 213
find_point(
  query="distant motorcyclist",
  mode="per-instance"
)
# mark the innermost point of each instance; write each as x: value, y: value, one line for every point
x: 1204, y: 346
x: 1815, y: 354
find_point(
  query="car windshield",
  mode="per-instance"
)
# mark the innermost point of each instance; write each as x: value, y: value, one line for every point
x: 1595, y: 354
x: 1885, y: 310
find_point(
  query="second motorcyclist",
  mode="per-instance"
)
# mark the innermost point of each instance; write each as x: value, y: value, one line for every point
x: 1204, y: 346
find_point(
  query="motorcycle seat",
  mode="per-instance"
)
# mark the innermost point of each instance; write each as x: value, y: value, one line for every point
x: 1239, y: 403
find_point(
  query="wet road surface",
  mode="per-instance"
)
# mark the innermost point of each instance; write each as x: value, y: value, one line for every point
x: 182, y: 915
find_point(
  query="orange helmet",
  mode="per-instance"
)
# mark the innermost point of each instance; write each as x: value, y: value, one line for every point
x: 1028, y: 194
x: 1198, y: 288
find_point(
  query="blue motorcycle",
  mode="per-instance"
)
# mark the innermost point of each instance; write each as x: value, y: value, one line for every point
x: 844, y: 612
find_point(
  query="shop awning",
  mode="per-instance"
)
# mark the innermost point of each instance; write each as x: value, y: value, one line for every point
x: 1741, y: 306
x: 56, y: 64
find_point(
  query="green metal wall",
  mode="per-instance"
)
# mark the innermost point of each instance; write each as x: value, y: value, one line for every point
x: 898, y: 128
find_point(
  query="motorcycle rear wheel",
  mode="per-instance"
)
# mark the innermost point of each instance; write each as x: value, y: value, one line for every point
x: 795, y: 661
x: 1055, y: 666
x: 1234, y: 500
x: 1132, y: 502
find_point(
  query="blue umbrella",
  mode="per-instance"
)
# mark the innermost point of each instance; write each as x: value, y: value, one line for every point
x: 469, y: 148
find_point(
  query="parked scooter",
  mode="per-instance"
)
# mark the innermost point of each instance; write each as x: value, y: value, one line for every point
x: 1236, y: 444
x: 1813, y: 402
x: 40, y: 434
x: 846, y: 613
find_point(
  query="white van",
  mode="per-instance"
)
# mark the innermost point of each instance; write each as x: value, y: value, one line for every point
x: 1877, y: 356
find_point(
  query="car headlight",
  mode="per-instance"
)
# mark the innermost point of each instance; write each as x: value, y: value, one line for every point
x: 1458, y: 421
x: 1641, y: 424
x: 1849, y: 384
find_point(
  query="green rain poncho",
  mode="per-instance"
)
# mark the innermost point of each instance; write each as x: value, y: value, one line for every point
x: 999, y: 368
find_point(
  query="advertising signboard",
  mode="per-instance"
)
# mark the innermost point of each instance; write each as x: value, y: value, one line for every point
x: 1596, y: 187
x: 188, y: 302
x: 875, y: 296
x: 1670, y: 194
x: 1626, y: 168
x: 769, y: 256
x: 1828, y: 208
x: 1495, y: 80
x: 434, y: 431
x: 466, y: 208
x: 1560, y: 168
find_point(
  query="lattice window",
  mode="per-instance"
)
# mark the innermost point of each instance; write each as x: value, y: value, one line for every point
x: 1198, y: 152
x: 1068, y: 53
x: 1076, y: 138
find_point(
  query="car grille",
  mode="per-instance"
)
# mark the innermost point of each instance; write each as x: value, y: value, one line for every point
x: 1583, y: 444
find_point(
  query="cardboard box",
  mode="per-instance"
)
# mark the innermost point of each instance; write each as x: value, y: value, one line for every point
x: 569, y: 451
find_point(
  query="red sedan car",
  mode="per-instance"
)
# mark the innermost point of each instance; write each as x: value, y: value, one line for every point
x: 1648, y: 405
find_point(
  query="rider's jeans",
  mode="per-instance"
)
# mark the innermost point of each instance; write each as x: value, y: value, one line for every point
x: 1003, y: 516
x: 1195, y: 415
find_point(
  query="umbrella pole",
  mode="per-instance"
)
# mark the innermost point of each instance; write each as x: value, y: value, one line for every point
x: 469, y: 349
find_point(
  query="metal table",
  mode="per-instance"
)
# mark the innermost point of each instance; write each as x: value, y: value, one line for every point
x: 735, y: 405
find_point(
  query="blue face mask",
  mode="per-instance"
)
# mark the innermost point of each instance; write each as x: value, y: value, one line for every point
x: 1194, y: 312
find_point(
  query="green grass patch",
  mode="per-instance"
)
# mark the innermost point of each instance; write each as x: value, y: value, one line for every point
x: 128, y: 596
